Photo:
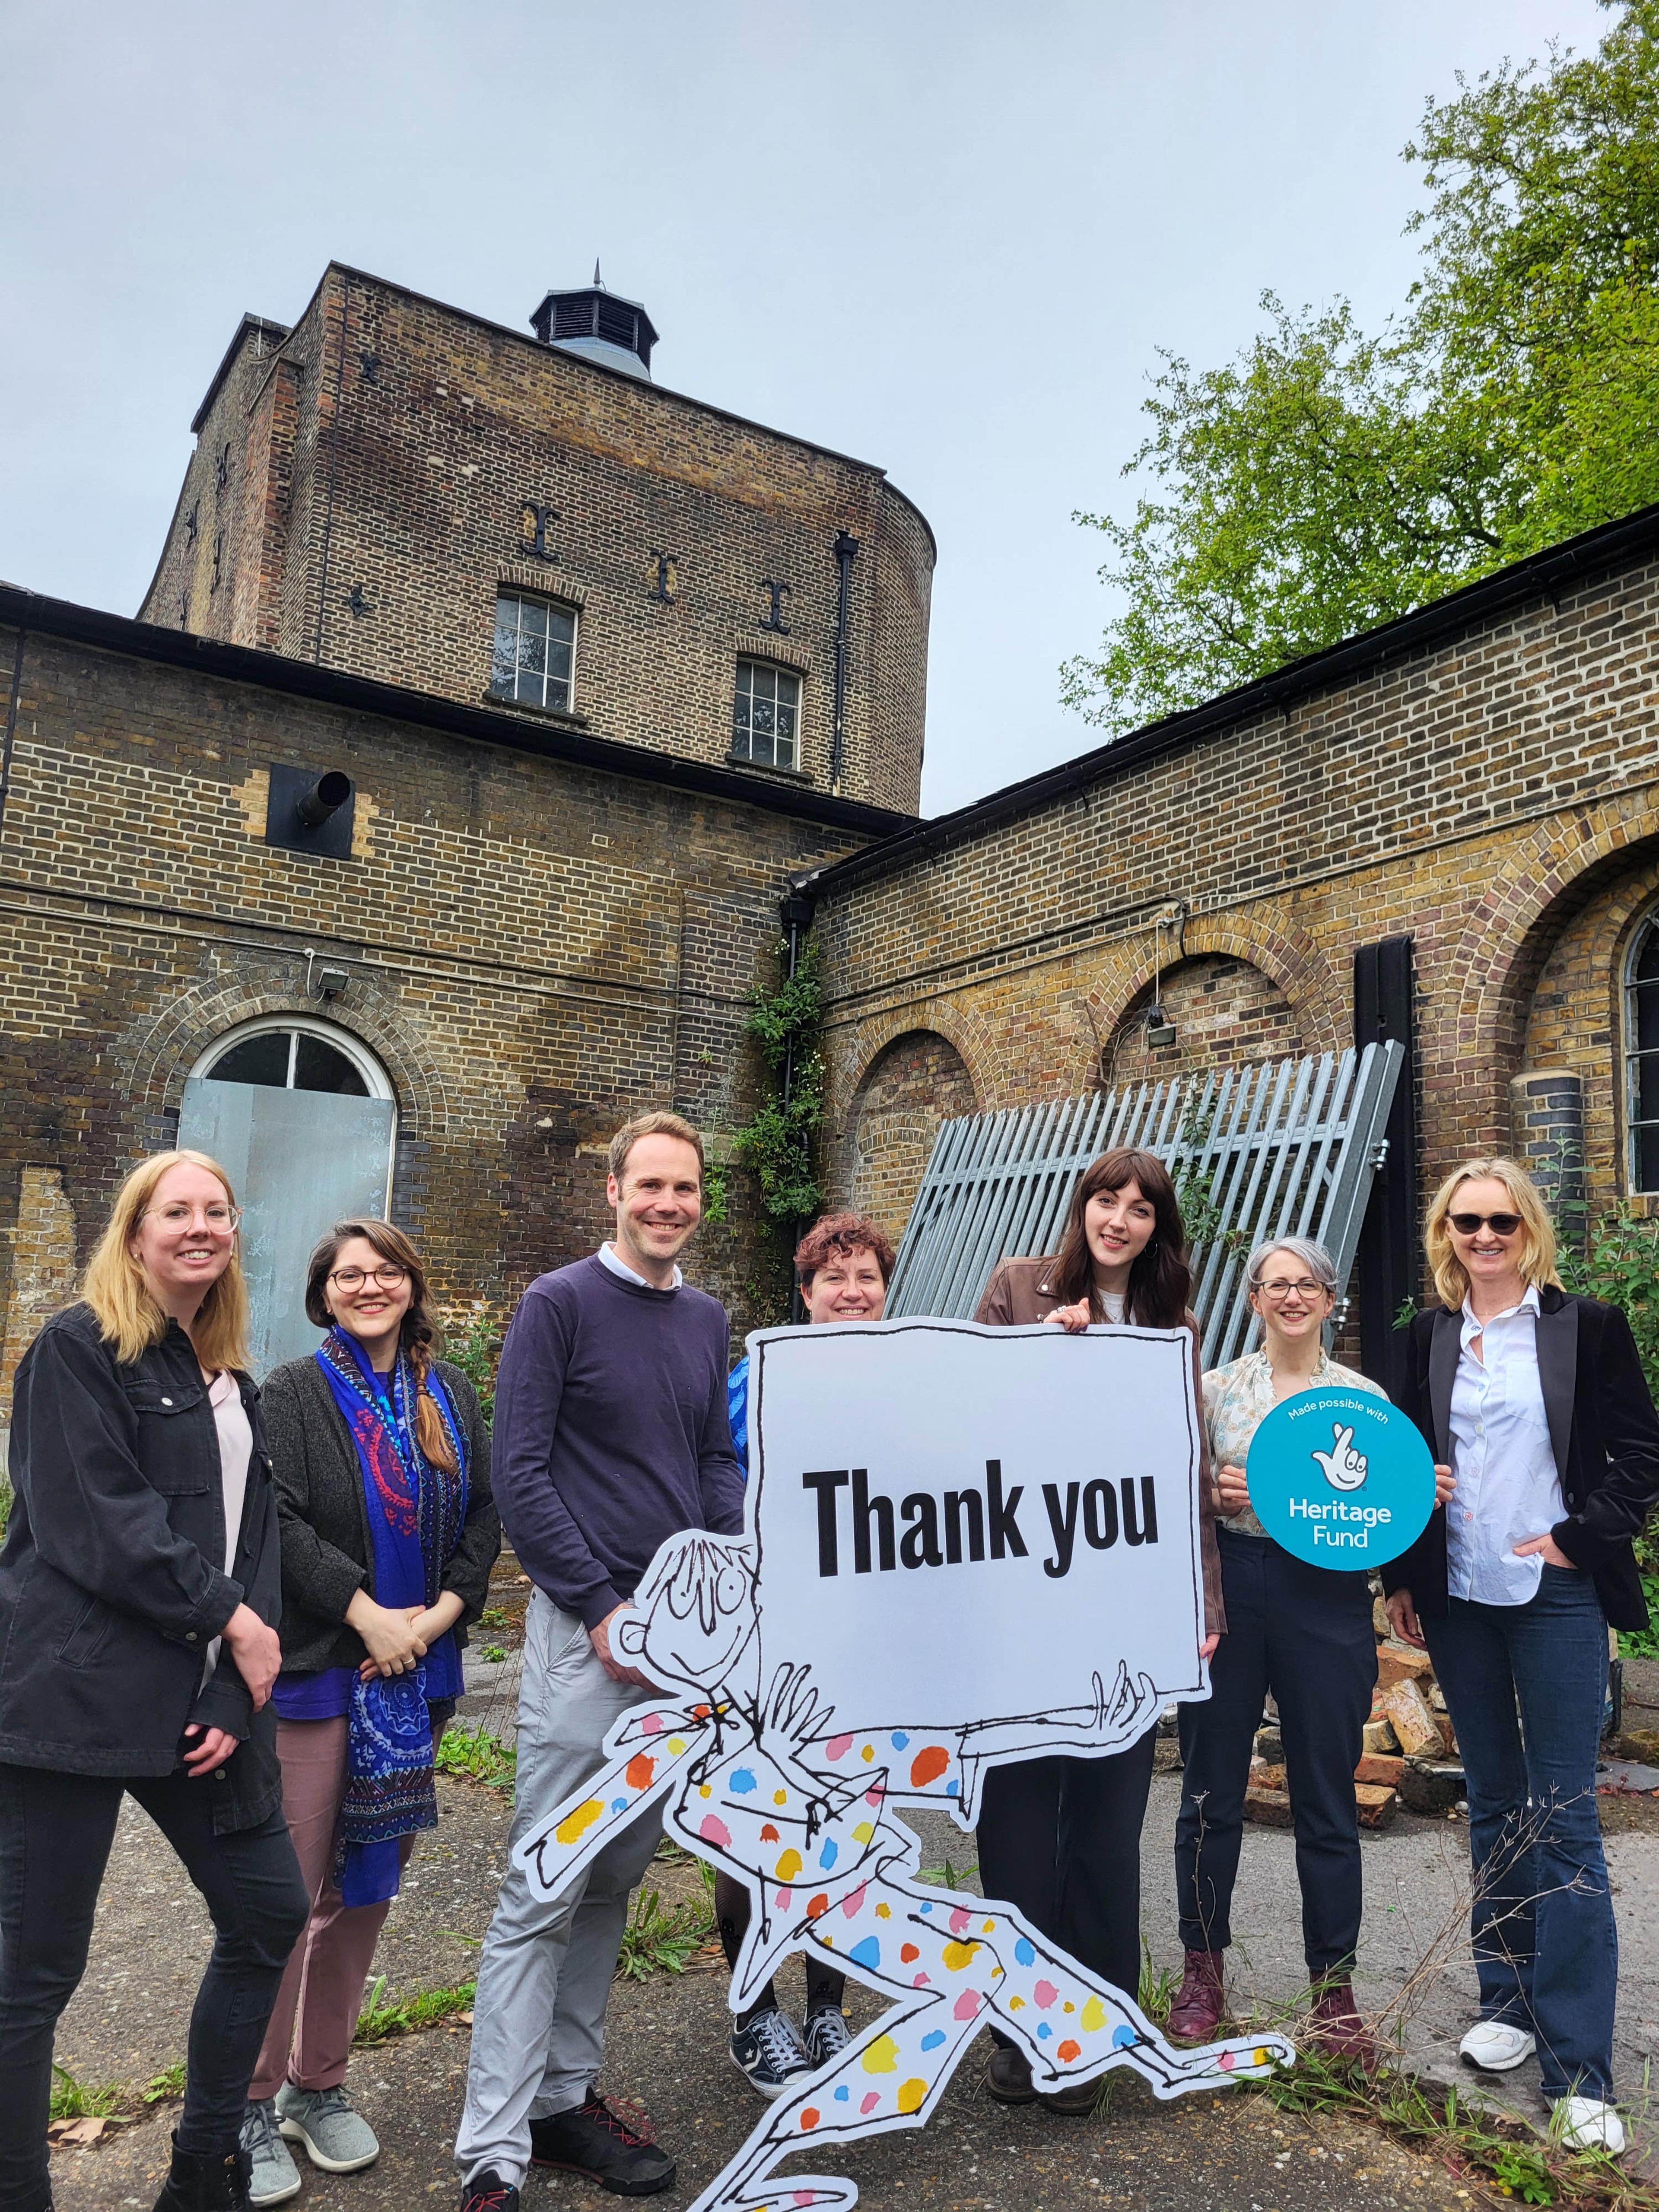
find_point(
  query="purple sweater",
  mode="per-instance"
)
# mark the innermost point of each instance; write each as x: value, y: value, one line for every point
x: 611, y: 1432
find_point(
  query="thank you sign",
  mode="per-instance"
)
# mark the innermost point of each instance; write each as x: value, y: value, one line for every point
x: 959, y: 1525
x: 1340, y: 1478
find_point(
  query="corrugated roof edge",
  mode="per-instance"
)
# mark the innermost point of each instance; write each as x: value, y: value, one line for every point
x: 1609, y: 546
x: 273, y: 671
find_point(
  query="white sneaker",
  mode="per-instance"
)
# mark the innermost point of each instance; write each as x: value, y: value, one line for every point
x: 1497, y: 2046
x: 1586, y: 2124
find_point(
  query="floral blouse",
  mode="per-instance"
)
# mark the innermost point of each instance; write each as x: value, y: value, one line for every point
x: 1238, y: 1397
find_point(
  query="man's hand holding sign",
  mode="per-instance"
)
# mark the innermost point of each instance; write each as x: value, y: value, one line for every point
x: 966, y: 1548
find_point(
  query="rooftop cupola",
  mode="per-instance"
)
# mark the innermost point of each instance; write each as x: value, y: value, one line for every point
x: 595, y: 322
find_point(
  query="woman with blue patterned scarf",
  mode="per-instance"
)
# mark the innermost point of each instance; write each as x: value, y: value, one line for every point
x: 388, y: 1536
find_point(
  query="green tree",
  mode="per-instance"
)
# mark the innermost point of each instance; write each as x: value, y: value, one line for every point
x: 1326, y: 480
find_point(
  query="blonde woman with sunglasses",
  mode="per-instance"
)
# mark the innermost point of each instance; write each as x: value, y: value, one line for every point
x: 1537, y: 1401
x: 140, y: 1582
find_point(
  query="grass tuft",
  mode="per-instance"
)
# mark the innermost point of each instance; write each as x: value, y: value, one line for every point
x: 73, y: 2101
x: 656, y: 1942
x: 380, y: 2023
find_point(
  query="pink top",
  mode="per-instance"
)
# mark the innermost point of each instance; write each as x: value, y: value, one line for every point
x: 235, y: 1454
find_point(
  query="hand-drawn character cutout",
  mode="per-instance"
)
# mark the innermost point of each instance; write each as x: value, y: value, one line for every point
x: 762, y: 1788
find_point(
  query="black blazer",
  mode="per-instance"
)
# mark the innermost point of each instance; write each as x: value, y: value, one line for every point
x: 1603, y: 1431
x: 327, y: 1556
x: 111, y: 1581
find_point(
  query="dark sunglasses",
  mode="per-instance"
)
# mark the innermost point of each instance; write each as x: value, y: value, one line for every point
x: 1468, y: 1224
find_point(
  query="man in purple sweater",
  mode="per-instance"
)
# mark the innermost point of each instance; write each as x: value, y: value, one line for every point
x: 611, y: 1435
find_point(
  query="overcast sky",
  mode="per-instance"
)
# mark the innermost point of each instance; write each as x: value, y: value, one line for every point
x: 946, y: 236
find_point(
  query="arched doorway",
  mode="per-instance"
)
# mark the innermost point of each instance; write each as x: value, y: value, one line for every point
x: 302, y: 1119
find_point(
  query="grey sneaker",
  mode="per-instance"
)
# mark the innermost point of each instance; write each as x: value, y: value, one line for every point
x: 273, y: 2178
x: 336, y: 2135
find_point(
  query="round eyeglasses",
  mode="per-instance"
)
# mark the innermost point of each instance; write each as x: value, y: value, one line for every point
x: 222, y: 1220
x: 390, y: 1277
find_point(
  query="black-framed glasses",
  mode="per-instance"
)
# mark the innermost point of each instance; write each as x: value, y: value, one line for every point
x: 389, y: 1275
x: 1276, y: 1292
x: 1470, y: 1225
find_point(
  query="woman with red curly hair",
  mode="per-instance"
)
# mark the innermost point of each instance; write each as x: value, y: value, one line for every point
x: 843, y: 1265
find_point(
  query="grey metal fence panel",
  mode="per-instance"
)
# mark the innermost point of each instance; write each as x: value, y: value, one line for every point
x: 1285, y: 1148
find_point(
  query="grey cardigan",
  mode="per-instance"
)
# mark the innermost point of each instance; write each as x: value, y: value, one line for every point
x: 327, y: 1556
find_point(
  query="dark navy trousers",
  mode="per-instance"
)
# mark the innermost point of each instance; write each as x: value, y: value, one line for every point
x: 1305, y: 1634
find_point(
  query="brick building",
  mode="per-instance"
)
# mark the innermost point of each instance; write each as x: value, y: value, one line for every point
x: 1480, y: 778
x: 405, y: 491
x: 597, y: 668
x: 531, y: 915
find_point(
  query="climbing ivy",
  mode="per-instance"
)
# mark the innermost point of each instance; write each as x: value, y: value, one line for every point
x: 777, y: 1144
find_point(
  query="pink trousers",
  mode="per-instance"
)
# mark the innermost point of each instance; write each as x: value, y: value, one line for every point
x: 322, y: 1990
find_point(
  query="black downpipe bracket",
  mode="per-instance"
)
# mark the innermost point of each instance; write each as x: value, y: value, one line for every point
x: 845, y: 547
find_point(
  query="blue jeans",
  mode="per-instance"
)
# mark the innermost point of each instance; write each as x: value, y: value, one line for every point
x: 1545, y: 1947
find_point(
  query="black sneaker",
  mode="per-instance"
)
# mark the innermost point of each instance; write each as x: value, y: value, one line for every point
x: 606, y: 2141
x: 488, y: 2192
x: 769, y: 2051
x: 825, y: 2035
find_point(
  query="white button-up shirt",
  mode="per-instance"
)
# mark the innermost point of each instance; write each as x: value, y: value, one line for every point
x: 1507, y: 1488
x: 608, y: 1259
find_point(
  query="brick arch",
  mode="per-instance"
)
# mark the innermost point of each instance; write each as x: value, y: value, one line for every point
x: 154, y: 1060
x: 1262, y: 939
x: 1549, y: 874
x: 855, y: 1050
x: 914, y: 1083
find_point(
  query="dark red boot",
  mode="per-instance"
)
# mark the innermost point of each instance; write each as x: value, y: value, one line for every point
x: 1199, y: 2002
x: 1335, y: 2027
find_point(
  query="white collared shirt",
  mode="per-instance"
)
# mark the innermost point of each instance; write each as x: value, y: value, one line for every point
x: 608, y: 1259
x: 1507, y: 1488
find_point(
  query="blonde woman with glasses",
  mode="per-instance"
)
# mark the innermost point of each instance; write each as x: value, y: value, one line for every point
x: 1537, y: 1399
x: 139, y: 1582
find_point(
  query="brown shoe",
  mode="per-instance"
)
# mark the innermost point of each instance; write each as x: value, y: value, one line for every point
x: 1008, y: 2077
x: 1199, y: 2002
x: 1335, y: 2029
x: 1075, y: 2101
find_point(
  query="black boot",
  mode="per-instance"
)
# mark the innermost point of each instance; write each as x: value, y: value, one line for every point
x: 216, y: 2183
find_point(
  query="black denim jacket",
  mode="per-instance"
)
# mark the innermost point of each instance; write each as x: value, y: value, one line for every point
x: 110, y: 1586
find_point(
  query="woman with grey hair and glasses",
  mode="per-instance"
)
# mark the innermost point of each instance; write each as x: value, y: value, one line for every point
x: 1305, y: 1634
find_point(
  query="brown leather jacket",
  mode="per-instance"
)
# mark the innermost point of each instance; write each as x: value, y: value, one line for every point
x: 1020, y: 1292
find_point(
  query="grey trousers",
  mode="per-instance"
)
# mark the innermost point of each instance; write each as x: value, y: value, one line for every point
x: 546, y: 1970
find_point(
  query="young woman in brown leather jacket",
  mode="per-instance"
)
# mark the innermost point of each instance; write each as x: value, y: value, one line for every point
x: 1060, y: 1836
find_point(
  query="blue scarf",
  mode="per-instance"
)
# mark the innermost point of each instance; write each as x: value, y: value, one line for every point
x: 416, y: 1512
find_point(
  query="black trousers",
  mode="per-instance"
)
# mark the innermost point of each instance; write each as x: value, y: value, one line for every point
x: 56, y: 1831
x: 1060, y: 1839
x: 1304, y: 1633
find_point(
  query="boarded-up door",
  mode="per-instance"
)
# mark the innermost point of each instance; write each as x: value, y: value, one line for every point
x: 300, y: 1161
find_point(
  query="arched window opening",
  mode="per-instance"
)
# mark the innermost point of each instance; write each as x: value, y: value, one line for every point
x: 290, y: 1053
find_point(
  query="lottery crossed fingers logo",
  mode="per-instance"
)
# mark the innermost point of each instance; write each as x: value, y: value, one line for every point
x: 1343, y: 1467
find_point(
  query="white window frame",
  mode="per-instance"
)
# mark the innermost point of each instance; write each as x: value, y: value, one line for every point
x: 554, y: 606
x: 777, y: 668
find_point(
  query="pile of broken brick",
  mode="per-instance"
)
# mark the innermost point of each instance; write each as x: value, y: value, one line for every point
x: 1410, y: 1758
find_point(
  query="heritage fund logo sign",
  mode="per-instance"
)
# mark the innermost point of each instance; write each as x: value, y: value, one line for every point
x: 976, y: 1521
x: 964, y: 1547
x: 1341, y: 1478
